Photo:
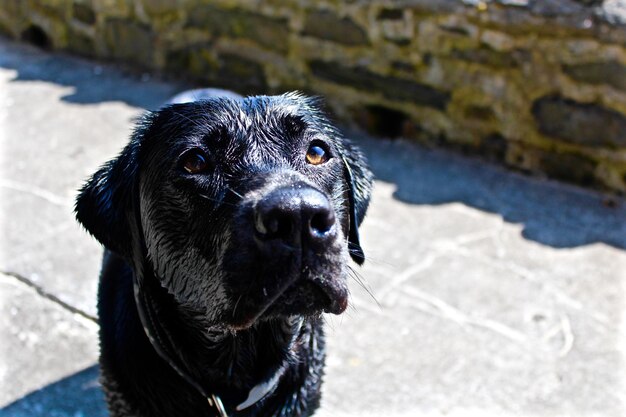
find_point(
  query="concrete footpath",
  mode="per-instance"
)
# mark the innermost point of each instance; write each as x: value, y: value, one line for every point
x: 489, y: 293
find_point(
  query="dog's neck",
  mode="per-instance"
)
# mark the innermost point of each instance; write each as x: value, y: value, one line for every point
x: 239, y: 367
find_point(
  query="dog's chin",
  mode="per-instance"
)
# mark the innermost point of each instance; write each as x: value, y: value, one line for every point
x: 305, y: 297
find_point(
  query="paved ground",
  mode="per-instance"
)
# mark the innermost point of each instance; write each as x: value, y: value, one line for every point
x: 497, y: 294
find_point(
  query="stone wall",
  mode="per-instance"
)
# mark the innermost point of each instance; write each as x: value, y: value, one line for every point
x: 539, y: 85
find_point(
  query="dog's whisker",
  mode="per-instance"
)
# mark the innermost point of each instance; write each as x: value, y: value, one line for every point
x: 359, y: 280
x: 194, y: 122
x: 206, y: 197
x: 235, y: 192
x: 328, y: 321
x: 237, y: 304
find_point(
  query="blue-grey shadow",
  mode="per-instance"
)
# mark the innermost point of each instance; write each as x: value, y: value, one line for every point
x: 92, y: 81
x: 552, y: 213
x: 78, y: 395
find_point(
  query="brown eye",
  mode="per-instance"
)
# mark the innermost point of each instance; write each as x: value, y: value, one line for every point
x: 195, y: 162
x: 317, y: 154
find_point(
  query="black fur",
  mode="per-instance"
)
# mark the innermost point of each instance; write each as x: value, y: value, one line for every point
x: 233, y: 311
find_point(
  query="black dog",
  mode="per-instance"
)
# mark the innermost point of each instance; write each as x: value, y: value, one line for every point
x: 227, y: 225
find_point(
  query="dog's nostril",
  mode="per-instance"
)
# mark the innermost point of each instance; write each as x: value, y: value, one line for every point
x: 322, y: 222
x: 271, y: 226
x: 280, y: 226
x: 274, y: 224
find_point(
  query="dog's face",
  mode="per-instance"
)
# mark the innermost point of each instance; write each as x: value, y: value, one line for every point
x: 244, y: 209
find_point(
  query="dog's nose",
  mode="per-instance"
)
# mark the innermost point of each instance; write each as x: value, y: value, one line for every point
x: 295, y: 214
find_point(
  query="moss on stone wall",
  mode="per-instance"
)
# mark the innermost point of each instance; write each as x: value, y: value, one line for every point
x: 539, y: 86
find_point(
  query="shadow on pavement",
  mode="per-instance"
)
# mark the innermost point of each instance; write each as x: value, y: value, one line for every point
x: 78, y: 395
x: 93, y: 82
x: 551, y: 213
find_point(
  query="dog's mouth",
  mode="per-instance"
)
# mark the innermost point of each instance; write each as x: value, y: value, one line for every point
x: 309, y: 296
x: 305, y: 296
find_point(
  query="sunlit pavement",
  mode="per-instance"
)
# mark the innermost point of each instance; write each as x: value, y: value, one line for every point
x: 487, y: 293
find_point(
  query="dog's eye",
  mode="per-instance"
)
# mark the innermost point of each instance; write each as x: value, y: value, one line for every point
x: 194, y: 161
x: 317, y: 153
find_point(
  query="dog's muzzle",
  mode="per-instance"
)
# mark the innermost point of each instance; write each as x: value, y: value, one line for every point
x: 295, y: 255
x: 299, y: 220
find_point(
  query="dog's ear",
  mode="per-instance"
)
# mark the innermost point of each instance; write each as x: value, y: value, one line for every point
x: 104, y: 205
x: 359, y: 182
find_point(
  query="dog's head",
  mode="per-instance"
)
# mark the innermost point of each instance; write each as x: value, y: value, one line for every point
x: 244, y: 209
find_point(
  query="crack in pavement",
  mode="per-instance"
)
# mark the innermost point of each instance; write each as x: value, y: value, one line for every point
x: 33, y: 190
x: 49, y: 296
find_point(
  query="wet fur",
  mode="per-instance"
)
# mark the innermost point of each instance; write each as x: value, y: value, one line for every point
x: 188, y: 236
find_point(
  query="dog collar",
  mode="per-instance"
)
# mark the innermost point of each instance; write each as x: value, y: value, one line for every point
x: 261, y: 390
x: 256, y: 394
